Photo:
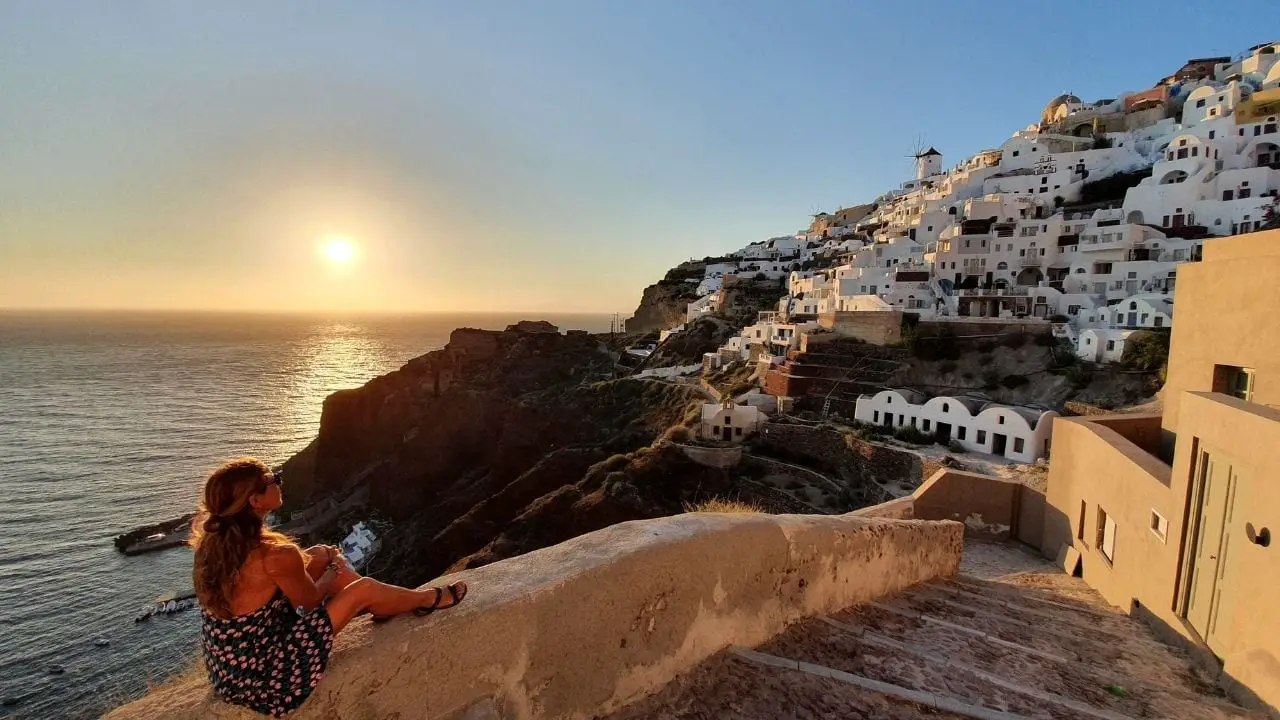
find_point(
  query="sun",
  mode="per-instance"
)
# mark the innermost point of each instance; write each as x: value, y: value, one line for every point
x: 338, y: 250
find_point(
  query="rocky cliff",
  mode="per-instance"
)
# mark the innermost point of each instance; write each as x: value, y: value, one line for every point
x: 663, y: 303
x: 460, y: 442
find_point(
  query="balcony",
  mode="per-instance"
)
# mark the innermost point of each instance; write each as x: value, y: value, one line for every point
x: 1015, y: 291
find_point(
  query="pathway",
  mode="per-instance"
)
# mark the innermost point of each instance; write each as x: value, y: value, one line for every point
x: 1010, y: 637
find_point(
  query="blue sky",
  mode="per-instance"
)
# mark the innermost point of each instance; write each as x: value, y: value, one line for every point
x: 502, y: 155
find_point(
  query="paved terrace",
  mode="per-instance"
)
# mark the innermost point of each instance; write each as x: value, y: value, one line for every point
x: 1011, y: 636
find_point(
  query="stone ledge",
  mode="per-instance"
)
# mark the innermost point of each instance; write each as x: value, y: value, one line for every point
x: 587, y: 626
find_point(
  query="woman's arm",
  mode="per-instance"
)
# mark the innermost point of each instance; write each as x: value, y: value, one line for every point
x: 287, y: 566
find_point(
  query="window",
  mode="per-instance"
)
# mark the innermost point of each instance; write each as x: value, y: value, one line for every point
x: 1211, y: 133
x: 1106, y: 535
x: 902, y: 419
x: 875, y: 416
x: 727, y: 420
x: 1159, y: 525
x: 1084, y: 508
x: 1111, y: 344
x: 1018, y: 444
x: 1144, y: 318
x: 1234, y: 381
x: 960, y: 432
x: 982, y: 436
x: 1073, y: 309
x: 1228, y: 194
x: 1159, y: 321
x: 1244, y: 193
x: 737, y: 431
x: 1015, y: 153
x: 1200, y: 103
x: 925, y: 425
x: 999, y: 419
x: 946, y: 407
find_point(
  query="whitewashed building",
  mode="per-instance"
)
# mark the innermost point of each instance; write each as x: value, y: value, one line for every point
x: 729, y: 422
x: 977, y: 424
x: 359, y: 545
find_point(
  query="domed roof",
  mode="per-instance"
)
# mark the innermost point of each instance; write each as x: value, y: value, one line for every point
x: 1057, y: 102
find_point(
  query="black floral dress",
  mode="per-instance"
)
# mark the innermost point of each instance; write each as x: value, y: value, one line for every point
x: 268, y: 660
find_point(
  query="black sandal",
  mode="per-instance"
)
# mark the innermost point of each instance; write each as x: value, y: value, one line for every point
x: 455, y: 597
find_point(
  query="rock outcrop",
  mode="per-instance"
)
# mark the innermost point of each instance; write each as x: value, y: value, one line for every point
x: 663, y: 304
x: 460, y: 442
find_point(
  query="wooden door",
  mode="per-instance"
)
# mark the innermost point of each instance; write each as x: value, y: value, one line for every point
x: 1207, y: 578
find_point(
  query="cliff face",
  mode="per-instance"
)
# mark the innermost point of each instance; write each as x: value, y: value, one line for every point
x: 663, y: 304
x: 467, y: 437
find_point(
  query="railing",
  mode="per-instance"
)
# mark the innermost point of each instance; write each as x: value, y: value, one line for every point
x: 1015, y: 291
x: 1029, y: 261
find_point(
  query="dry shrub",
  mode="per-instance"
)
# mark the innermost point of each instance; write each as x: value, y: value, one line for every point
x: 719, y: 505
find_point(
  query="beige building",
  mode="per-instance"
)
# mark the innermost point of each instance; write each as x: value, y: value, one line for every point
x: 1173, y: 515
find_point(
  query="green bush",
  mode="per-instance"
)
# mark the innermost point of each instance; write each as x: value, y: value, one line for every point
x: 955, y: 447
x: 912, y: 434
x: 1079, y: 375
x: 1014, y: 381
x: 1146, y: 350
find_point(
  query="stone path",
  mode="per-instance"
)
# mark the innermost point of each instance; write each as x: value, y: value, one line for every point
x: 1010, y: 637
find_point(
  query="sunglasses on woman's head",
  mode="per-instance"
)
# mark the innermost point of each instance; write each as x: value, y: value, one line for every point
x: 276, y: 478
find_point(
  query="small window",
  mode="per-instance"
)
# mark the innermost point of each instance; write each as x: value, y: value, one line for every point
x: 1084, y: 508
x: 960, y: 432
x: 728, y: 420
x: 1018, y: 444
x: 1234, y: 381
x: 875, y: 416
x: 946, y: 407
x: 1211, y: 133
x: 1111, y: 344
x: 1106, y: 535
x: 925, y: 425
x: 1159, y: 525
x: 1015, y: 153
x: 1000, y: 420
x: 982, y: 436
x: 737, y: 431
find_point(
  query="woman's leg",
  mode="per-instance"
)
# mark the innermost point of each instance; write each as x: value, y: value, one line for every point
x: 367, y: 594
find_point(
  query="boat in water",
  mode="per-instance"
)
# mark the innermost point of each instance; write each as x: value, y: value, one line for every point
x: 167, y: 605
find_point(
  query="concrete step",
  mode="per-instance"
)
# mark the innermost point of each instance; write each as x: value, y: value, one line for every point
x: 1066, y: 628
x: 1034, y: 666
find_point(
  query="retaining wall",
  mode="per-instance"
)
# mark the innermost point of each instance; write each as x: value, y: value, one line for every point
x: 585, y: 627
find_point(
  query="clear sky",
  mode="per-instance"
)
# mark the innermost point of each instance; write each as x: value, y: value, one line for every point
x: 489, y: 155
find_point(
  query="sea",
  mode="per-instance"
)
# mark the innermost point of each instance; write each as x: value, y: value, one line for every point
x: 112, y: 420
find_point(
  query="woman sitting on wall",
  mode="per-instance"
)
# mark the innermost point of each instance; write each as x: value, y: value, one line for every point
x: 270, y: 609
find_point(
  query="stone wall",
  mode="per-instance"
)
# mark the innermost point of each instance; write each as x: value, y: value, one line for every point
x: 876, y: 327
x: 725, y: 457
x: 583, y: 628
x: 991, y: 508
x: 975, y: 326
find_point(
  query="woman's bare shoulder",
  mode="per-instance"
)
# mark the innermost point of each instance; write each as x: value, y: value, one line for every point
x: 278, y: 559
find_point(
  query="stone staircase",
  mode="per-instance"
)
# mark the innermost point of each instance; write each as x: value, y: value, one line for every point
x: 1033, y: 643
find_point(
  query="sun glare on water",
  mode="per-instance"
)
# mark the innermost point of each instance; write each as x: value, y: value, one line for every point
x: 338, y: 250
